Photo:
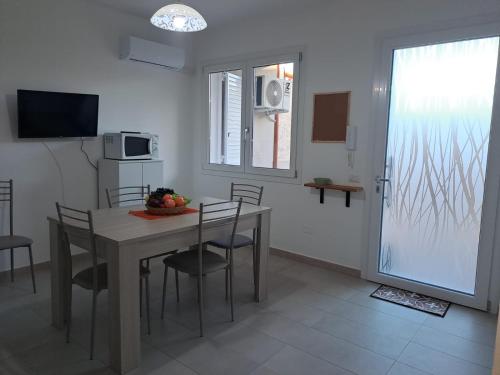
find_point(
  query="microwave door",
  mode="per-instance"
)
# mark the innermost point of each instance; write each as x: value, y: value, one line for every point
x: 137, y: 147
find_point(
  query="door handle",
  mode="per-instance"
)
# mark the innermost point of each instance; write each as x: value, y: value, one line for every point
x: 387, y: 198
x: 379, y: 180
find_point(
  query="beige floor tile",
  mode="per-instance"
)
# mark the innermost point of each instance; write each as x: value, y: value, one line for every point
x: 455, y: 346
x: 439, y: 363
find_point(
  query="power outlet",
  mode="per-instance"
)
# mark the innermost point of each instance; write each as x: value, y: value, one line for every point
x: 354, y: 178
x: 307, y: 230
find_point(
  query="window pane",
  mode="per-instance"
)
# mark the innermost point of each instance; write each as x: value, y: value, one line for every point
x: 272, y: 116
x: 225, y: 117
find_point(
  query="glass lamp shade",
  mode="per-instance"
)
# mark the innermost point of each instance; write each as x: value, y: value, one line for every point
x: 178, y: 17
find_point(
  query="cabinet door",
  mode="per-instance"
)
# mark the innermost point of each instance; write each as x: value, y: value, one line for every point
x: 130, y: 174
x: 152, y: 174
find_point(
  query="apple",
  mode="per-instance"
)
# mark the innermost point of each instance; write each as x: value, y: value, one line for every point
x: 166, y: 197
x: 169, y: 203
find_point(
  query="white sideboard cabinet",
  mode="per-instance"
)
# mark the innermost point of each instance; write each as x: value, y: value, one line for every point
x: 119, y: 173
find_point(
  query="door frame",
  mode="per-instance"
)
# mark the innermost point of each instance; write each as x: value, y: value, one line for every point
x: 381, y: 95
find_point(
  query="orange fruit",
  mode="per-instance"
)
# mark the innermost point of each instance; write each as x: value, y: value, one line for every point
x: 179, y: 201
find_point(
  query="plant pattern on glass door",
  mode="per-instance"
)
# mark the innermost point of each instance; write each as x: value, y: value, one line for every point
x: 437, y: 146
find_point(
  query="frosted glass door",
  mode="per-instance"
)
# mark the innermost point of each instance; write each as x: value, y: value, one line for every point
x: 441, y: 101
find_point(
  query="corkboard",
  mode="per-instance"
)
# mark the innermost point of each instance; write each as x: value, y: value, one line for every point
x: 331, y: 117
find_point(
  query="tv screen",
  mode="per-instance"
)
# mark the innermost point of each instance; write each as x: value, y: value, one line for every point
x: 43, y: 114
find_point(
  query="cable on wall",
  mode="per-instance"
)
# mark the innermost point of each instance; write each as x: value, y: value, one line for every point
x: 87, y: 155
x: 60, y: 171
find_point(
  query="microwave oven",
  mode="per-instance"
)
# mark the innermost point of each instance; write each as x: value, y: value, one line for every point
x: 130, y: 146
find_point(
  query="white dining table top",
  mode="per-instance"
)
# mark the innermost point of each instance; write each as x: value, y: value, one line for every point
x: 116, y: 224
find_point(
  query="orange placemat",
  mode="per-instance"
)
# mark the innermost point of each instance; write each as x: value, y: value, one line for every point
x: 144, y: 215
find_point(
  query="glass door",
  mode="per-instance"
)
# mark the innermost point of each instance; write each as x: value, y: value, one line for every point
x: 431, y: 185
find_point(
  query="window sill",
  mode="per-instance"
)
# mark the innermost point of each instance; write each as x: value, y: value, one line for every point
x: 253, y: 177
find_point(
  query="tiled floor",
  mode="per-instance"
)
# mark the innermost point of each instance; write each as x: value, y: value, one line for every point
x: 315, y: 322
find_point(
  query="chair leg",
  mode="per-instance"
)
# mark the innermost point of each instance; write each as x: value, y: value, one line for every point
x: 227, y: 273
x: 200, y: 302
x: 32, y: 269
x: 254, y: 254
x: 141, y: 264
x: 165, y: 274
x: 92, y: 328
x: 147, y: 305
x: 68, y: 312
x: 140, y: 297
x: 177, y: 284
x: 231, y: 290
x: 12, y: 265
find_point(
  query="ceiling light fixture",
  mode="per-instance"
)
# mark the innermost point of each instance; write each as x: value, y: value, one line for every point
x: 178, y: 17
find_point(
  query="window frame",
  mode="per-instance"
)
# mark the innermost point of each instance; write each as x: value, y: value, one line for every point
x: 251, y: 65
x: 207, y: 70
x: 245, y: 169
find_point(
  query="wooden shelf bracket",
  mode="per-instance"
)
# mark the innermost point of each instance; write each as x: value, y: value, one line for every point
x: 347, y: 189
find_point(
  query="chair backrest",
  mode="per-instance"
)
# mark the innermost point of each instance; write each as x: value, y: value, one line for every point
x: 250, y: 193
x: 76, y: 226
x: 214, y: 214
x: 7, y: 195
x: 126, y: 194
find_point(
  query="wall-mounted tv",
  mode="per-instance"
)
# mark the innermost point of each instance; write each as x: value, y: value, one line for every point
x: 43, y: 114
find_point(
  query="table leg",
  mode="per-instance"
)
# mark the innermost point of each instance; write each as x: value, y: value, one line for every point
x: 57, y: 275
x: 263, y: 231
x: 124, y: 323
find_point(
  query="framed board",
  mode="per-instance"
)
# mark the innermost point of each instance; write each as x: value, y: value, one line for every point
x: 331, y: 117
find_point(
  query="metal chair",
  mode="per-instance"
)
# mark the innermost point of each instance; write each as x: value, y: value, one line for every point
x: 251, y: 194
x: 200, y: 261
x: 79, y: 225
x: 128, y: 194
x: 12, y: 241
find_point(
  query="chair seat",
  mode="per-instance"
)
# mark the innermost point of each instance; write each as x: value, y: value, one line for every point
x: 85, y: 278
x: 8, y: 242
x: 225, y: 243
x: 187, y: 262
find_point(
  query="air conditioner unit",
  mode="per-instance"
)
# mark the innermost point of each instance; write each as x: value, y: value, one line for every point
x: 136, y: 49
x: 272, y: 95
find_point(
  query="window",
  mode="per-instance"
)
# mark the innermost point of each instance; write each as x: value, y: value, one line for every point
x: 225, y: 117
x: 252, y: 116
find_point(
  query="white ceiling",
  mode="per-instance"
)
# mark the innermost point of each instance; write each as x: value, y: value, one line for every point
x: 215, y: 12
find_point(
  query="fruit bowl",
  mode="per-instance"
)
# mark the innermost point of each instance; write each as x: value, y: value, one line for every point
x: 161, y: 211
x: 164, y: 201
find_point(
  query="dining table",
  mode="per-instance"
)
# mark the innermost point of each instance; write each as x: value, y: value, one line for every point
x: 122, y: 240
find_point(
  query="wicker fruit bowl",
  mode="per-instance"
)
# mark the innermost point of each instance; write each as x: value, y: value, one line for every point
x: 164, y: 201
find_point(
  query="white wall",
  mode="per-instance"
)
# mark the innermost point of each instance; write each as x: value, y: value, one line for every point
x: 72, y: 46
x: 339, y: 39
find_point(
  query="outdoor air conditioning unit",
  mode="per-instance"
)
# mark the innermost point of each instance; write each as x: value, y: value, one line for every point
x: 136, y: 49
x: 272, y: 95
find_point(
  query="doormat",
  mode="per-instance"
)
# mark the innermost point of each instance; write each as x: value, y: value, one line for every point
x: 412, y: 300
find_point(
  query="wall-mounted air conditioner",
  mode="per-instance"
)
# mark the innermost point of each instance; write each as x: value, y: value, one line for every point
x: 136, y: 49
x: 272, y: 94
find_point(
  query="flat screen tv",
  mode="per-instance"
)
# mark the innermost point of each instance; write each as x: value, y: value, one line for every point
x: 43, y: 114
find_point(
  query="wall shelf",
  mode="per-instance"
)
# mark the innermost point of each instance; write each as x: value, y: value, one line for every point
x: 347, y: 189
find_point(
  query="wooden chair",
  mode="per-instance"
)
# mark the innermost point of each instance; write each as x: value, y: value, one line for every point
x: 200, y: 261
x: 12, y: 241
x: 251, y: 194
x: 94, y: 278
